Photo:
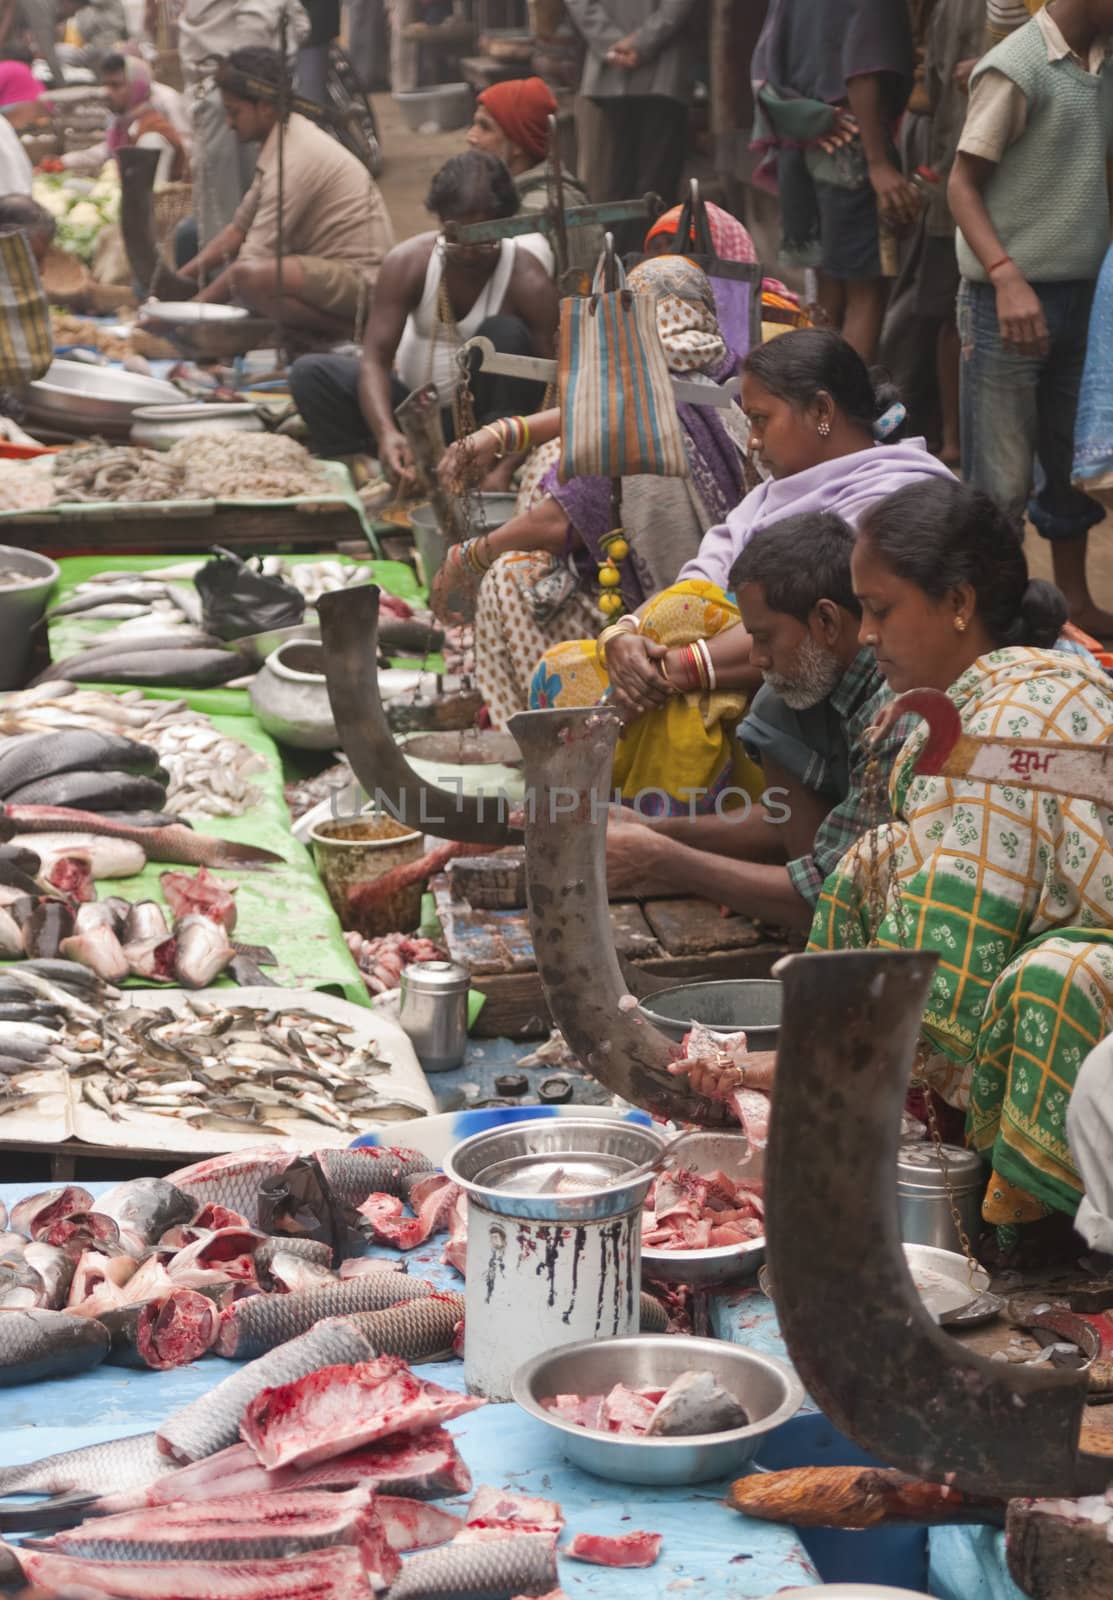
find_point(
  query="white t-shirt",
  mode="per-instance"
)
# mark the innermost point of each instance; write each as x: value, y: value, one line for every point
x: 15, y: 164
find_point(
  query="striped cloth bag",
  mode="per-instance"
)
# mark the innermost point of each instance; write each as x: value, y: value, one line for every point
x: 26, y: 336
x: 617, y: 410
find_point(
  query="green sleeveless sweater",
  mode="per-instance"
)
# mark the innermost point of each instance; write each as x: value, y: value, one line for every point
x: 1049, y: 197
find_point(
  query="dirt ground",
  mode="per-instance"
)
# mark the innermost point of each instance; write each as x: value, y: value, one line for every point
x: 412, y: 159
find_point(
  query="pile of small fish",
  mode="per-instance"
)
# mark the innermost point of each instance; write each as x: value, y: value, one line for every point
x: 246, y: 466
x: 235, y: 1068
x: 694, y: 1403
x: 381, y: 960
x: 204, y: 772
x: 93, y: 473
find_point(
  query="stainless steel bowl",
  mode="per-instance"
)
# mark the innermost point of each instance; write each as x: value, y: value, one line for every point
x: 431, y: 544
x: 258, y: 646
x: 728, y: 1263
x: 770, y: 1391
x: 78, y: 397
x: 505, y: 1169
x: 728, y: 1005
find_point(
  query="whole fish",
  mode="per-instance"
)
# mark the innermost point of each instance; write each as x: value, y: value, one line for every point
x: 145, y: 1208
x: 57, y: 980
x: 100, y: 951
x: 187, y: 667
x: 47, y: 1344
x: 51, y: 922
x: 146, y: 819
x: 203, y: 951
x: 176, y: 844
x: 91, y: 791
x: 523, y: 1564
x: 124, y: 1464
x: 135, y: 594
x: 77, y: 751
x: 212, y: 1422
x: 86, y: 663
x: 251, y: 1327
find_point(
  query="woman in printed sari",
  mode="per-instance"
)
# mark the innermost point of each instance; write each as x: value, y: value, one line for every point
x: 1012, y: 886
x: 533, y: 581
x: 829, y: 439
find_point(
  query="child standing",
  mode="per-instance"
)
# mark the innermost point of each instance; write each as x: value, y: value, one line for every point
x: 1029, y: 193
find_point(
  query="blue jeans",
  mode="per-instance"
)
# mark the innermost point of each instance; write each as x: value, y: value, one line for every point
x: 1018, y: 411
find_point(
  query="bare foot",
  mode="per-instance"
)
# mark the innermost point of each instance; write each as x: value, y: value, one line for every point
x: 1094, y: 621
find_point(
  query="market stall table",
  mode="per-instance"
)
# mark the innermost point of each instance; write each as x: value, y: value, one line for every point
x: 708, y: 1548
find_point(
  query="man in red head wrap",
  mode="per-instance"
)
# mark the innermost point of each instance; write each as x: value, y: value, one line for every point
x: 512, y: 122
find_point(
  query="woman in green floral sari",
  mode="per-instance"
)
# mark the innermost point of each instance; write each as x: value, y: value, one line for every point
x: 1012, y: 886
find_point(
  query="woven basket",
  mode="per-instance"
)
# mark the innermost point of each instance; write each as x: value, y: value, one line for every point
x: 64, y: 277
x: 173, y: 203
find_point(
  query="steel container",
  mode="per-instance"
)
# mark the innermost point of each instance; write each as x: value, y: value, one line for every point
x: 76, y: 397
x: 554, y: 1240
x: 434, y: 1012
x: 725, y: 1263
x: 728, y: 1005
x: 23, y: 600
x: 768, y: 1389
x: 497, y: 508
x: 925, y: 1212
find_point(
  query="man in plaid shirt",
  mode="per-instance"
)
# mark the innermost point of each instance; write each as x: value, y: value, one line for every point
x: 806, y: 725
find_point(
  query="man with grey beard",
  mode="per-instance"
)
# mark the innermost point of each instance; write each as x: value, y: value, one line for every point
x: 806, y: 725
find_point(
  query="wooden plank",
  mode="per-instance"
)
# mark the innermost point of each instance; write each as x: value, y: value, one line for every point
x: 692, y: 927
x: 281, y: 528
x: 633, y: 937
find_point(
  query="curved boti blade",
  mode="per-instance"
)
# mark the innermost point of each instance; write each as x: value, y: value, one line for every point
x: 137, y: 222
x: 568, y: 760
x: 857, y: 1332
x: 349, y: 634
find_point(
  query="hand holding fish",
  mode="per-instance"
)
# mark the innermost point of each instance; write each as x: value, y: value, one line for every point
x: 720, y: 1079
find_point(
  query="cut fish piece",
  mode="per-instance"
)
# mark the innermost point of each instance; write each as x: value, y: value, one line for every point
x: 339, y: 1408
x: 333, y: 1574
x: 500, y: 1508
x: 619, y: 1550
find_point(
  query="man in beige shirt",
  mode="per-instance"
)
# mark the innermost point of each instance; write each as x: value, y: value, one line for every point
x: 335, y: 225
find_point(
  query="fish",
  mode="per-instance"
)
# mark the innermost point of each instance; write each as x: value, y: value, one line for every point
x: 100, y: 951
x: 21, y: 1284
x: 146, y: 819
x: 287, y: 1274
x: 79, y: 750
x: 169, y: 1331
x: 339, y: 1408
x: 38, y: 1344
x: 107, y: 858
x: 134, y: 594
x: 22, y: 857
x: 633, y: 1549
x: 186, y: 667
x: 175, y: 845
x: 36, y: 1213
x: 145, y: 1208
x: 200, y: 893
x: 696, y: 1403
x: 145, y: 920
x: 417, y: 1330
x: 233, y: 1180
x: 50, y: 923
x: 202, y: 951
x: 94, y: 914
x: 252, y: 1327
x: 54, y: 1267
x: 13, y: 877
x: 353, y: 1175
x: 523, y: 1564
x: 91, y: 791
x: 11, y: 936
x: 212, y: 1422
x: 128, y: 1464
x: 248, y: 975
x: 86, y: 663
x: 331, y: 1574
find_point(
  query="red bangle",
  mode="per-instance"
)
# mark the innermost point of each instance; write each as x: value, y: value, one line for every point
x: 1005, y: 261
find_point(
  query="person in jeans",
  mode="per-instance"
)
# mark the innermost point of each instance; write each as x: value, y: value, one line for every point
x: 1029, y: 193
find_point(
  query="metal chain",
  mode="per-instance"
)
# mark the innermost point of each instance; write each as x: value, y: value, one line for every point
x: 884, y: 899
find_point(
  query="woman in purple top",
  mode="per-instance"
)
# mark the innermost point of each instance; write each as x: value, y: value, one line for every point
x: 828, y: 436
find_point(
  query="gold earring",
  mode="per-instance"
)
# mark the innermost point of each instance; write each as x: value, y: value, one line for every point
x: 824, y: 429
x: 960, y: 624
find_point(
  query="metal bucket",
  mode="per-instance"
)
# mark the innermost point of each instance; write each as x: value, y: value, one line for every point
x: 730, y: 1005
x: 430, y: 542
x: 26, y: 581
x: 554, y: 1240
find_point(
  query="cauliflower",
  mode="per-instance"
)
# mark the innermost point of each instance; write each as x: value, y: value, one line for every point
x: 83, y: 215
